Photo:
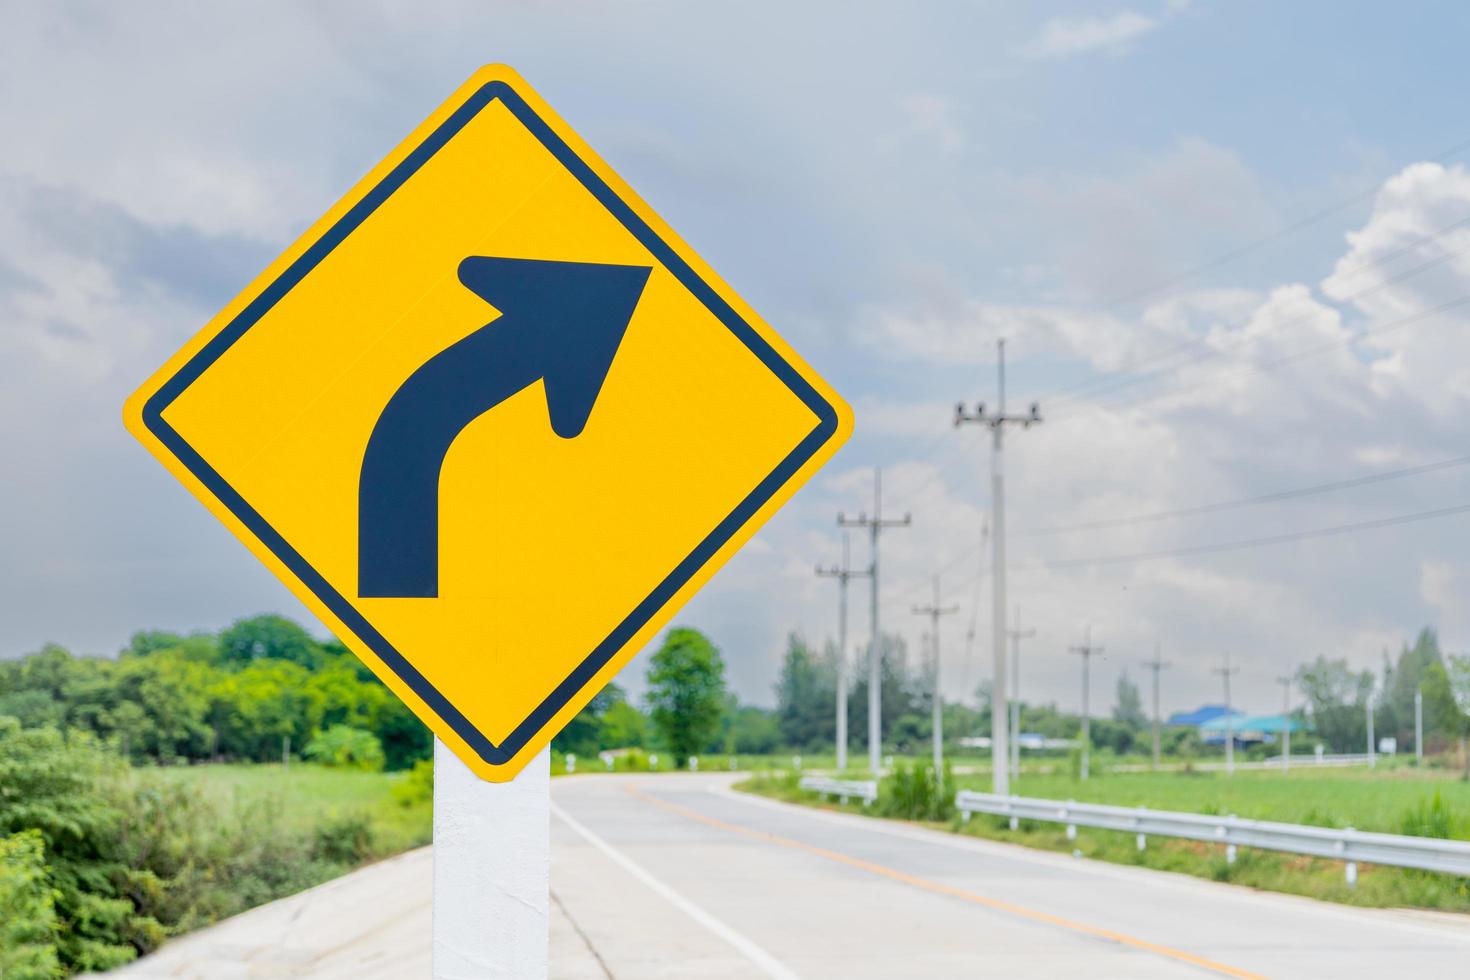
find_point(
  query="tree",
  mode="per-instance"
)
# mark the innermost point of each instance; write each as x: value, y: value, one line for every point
x: 28, y: 924
x: 805, y: 697
x: 902, y: 694
x: 583, y: 735
x: 268, y: 637
x: 753, y: 731
x: 1128, y: 710
x: 1337, y: 697
x: 1458, y: 681
x: 623, y: 726
x: 686, y: 696
x: 345, y: 747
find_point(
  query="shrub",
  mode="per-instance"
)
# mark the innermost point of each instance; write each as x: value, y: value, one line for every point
x: 345, y: 838
x: 27, y: 910
x: 416, y: 787
x: 60, y: 790
x: 916, y: 793
x: 347, y: 747
x: 1429, y: 818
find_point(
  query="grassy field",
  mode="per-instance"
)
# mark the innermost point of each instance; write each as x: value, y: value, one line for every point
x: 1392, y: 800
x: 1387, y: 800
x: 304, y: 796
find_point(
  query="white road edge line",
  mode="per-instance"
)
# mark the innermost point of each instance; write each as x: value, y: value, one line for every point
x: 747, y: 947
x: 1179, y: 881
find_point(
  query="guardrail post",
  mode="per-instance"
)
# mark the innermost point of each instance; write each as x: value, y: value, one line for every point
x: 1350, y: 870
x: 1066, y: 816
x: 1140, y: 840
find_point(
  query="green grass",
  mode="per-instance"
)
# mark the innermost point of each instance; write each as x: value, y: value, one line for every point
x: 1365, y: 799
x: 305, y: 795
x: 1391, y: 800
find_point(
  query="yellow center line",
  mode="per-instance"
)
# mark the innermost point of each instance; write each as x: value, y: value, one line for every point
x: 950, y: 891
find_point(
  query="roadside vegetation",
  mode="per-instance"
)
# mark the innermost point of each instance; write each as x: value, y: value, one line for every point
x: 1396, y: 800
x: 192, y: 777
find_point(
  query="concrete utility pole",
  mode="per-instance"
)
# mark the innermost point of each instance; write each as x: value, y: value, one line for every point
x: 997, y: 421
x: 1086, y: 651
x: 874, y: 524
x: 1372, y: 747
x: 1285, y: 683
x: 934, y: 610
x: 1156, y: 664
x: 1016, y: 636
x: 1226, y: 672
x: 842, y: 574
x: 1419, y: 728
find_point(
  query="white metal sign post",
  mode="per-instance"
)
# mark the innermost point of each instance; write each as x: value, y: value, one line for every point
x: 492, y: 861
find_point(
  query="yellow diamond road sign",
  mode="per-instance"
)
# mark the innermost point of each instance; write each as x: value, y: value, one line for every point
x: 492, y: 420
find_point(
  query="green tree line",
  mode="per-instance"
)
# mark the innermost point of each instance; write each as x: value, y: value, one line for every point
x: 243, y: 694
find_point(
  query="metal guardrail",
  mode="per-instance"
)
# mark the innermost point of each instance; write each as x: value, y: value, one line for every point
x: 844, y: 789
x: 1349, y: 845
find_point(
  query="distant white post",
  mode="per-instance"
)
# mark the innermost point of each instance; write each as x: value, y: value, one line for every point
x: 1419, y: 728
x: 1227, y: 672
x: 1372, y: 748
x: 1285, y: 683
x: 492, y: 857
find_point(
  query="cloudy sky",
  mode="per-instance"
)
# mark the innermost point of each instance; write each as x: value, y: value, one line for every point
x: 1228, y: 243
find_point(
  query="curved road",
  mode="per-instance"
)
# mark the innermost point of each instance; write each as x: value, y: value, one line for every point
x: 679, y: 876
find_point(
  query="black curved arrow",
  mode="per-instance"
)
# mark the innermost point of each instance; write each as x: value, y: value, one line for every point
x: 561, y: 323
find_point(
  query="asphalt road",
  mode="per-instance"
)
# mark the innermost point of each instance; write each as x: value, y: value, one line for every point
x: 678, y: 876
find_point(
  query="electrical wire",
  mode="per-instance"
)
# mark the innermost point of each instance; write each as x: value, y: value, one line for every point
x: 1265, y: 498
x: 1273, y: 539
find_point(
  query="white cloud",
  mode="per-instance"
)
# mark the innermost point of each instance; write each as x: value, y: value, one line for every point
x: 1237, y: 411
x: 1066, y: 37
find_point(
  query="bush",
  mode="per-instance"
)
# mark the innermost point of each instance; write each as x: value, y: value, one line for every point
x: 915, y: 793
x: 345, y: 838
x: 346, y: 747
x: 27, y: 910
x: 1430, y: 818
x: 60, y: 791
x: 417, y: 786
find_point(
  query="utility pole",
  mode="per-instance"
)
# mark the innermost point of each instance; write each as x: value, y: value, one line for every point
x: 1372, y: 747
x: 842, y: 575
x: 934, y: 610
x: 875, y: 525
x: 1285, y: 683
x: 1226, y: 672
x: 997, y: 421
x: 1016, y: 636
x: 1156, y: 664
x: 1086, y: 651
x: 1419, y: 728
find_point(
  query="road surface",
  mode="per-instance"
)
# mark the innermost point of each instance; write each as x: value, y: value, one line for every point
x: 679, y: 876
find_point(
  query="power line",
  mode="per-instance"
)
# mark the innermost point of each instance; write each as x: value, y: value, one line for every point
x: 1117, y: 384
x: 1263, y: 366
x: 1265, y: 498
x: 1280, y: 233
x: 1205, y: 549
x: 1079, y: 389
